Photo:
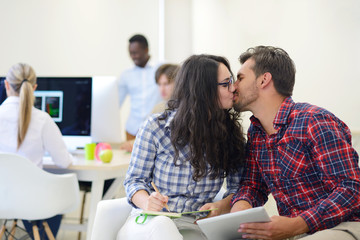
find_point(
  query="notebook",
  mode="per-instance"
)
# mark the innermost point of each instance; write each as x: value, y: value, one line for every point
x: 141, y: 219
x: 172, y: 214
x: 224, y: 227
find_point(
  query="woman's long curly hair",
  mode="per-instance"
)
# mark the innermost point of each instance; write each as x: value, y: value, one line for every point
x: 214, y: 135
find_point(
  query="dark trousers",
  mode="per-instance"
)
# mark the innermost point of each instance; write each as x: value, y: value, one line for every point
x: 54, y: 224
x: 87, y: 185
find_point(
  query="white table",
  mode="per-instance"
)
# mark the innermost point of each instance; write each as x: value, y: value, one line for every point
x: 95, y: 172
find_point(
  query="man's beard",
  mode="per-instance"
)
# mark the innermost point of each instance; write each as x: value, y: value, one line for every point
x: 242, y: 105
x: 238, y: 106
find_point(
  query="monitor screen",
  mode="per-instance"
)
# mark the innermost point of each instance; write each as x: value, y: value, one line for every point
x: 86, y: 109
x: 68, y: 100
x: 2, y: 90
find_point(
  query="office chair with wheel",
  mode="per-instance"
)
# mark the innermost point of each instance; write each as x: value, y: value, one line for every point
x: 30, y: 193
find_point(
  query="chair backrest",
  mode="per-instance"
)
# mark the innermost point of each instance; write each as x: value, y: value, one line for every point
x: 30, y: 193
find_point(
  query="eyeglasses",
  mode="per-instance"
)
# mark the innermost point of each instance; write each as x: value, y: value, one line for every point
x: 228, y: 83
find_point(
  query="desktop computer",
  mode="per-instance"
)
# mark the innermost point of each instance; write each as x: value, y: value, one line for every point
x: 85, y: 108
x: 68, y: 100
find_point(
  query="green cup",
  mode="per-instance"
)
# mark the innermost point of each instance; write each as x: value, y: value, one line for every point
x: 90, y: 151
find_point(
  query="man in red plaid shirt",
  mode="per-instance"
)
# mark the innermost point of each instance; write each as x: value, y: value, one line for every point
x: 300, y: 153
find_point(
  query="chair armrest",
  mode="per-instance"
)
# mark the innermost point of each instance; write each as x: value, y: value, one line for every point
x: 109, y: 218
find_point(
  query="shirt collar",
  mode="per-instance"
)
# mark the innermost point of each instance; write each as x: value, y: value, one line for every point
x: 281, y: 117
x: 170, y: 118
x: 11, y: 99
x: 149, y: 64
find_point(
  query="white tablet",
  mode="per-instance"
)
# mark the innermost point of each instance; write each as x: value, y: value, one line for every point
x: 224, y: 227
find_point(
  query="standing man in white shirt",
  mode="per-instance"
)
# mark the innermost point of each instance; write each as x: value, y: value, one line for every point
x: 138, y: 82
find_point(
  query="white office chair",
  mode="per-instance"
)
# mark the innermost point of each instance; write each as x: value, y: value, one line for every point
x: 30, y: 193
x: 112, y: 214
x: 109, y: 218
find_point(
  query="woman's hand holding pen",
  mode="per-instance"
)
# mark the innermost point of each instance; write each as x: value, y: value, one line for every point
x: 156, y: 202
x: 153, y: 202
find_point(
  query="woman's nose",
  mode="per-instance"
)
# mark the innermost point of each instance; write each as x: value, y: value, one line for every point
x: 232, y: 87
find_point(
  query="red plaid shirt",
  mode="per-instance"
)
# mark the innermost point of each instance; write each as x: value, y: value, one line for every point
x: 309, y: 166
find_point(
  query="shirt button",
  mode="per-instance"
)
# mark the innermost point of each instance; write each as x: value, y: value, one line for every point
x: 294, y: 210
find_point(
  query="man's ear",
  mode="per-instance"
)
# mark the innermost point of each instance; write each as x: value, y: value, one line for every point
x: 266, y: 79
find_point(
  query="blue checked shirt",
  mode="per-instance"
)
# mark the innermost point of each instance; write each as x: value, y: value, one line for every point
x: 152, y: 160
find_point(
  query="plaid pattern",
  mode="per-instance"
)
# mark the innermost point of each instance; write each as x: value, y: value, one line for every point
x: 152, y: 160
x: 309, y: 166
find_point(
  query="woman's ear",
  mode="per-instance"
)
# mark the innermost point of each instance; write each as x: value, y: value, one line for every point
x: 7, y: 87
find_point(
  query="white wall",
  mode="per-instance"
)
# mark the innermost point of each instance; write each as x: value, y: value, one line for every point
x: 74, y: 37
x: 321, y: 36
x: 89, y: 37
x: 178, y: 30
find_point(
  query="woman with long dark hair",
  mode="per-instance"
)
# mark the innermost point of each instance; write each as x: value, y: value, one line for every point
x: 187, y: 152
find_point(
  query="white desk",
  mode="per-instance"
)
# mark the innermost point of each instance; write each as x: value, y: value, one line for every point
x: 95, y: 172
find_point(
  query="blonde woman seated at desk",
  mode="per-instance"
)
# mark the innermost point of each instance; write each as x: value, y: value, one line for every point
x: 27, y: 131
x: 164, y: 77
x: 187, y: 151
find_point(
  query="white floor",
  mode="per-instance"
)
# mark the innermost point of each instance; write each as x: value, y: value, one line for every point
x: 70, y: 235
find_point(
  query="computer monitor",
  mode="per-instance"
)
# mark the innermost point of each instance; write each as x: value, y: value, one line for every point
x: 2, y: 90
x: 105, y: 125
x: 86, y: 109
x: 68, y: 100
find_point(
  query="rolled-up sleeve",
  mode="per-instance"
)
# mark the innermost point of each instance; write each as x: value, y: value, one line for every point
x: 142, y: 161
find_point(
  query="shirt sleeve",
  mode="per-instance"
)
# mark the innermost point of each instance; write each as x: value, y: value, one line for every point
x: 336, y: 162
x: 232, y: 183
x: 55, y: 145
x: 142, y: 162
x: 252, y: 188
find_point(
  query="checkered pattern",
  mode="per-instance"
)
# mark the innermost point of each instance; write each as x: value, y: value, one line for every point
x: 309, y: 166
x: 152, y: 160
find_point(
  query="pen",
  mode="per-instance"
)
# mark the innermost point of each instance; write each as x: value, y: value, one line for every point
x: 157, y: 190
